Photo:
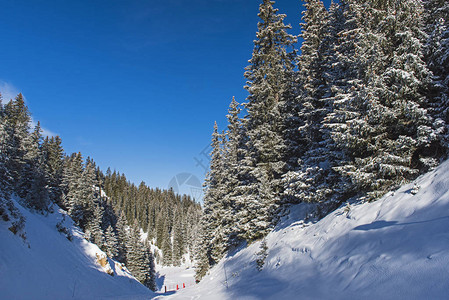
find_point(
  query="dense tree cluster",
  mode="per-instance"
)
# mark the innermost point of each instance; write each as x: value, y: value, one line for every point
x: 107, y: 207
x: 361, y: 109
x: 170, y: 220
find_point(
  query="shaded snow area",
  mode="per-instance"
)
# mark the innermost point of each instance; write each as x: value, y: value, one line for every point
x: 394, y: 248
x: 52, y: 267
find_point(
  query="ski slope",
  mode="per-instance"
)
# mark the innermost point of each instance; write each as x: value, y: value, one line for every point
x: 52, y: 267
x: 394, y: 248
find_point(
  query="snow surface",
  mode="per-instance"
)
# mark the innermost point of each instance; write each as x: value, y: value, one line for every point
x: 394, y: 248
x: 52, y: 267
x: 175, y: 277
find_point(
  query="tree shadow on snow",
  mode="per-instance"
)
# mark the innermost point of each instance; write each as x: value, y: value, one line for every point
x: 382, y: 224
x: 160, y: 280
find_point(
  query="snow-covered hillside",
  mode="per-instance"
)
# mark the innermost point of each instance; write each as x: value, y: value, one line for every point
x: 394, y: 248
x: 49, y: 266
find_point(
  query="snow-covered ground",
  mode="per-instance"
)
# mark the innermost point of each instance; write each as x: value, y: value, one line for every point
x: 52, y: 267
x: 175, y: 278
x: 394, y: 248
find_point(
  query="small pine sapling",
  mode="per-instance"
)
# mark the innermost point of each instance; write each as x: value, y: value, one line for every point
x: 347, y: 209
x: 261, y: 255
x: 415, y: 189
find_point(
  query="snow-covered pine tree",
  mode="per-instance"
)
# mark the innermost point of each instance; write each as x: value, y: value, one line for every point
x: 166, y: 247
x: 72, y: 182
x: 388, y: 135
x: 5, y: 151
x: 213, y: 205
x: 178, y: 242
x: 139, y: 259
x: 17, y: 118
x: 95, y: 227
x: 122, y: 237
x: 53, y: 165
x: 202, y: 251
x: 354, y: 53
x: 7, y: 208
x: 311, y: 73
x: 436, y: 21
x: 341, y: 62
x: 33, y: 187
x: 111, y: 242
x: 221, y: 207
x: 192, y: 229
x: 149, y: 268
x: 212, y: 245
x: 269, y: 77
x: 233, y: 174
x: 89, y: 181
x: 133, y: 253
x: 160, y: 228
x: 305, y: 181
x: 347, y: 48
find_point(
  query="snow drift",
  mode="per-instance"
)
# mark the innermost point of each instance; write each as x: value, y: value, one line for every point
x: 394, y: 248
x: 49, y: 266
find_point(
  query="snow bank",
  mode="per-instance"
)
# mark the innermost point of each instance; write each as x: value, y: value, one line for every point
x: 55, y: 268
x: 394, y: 248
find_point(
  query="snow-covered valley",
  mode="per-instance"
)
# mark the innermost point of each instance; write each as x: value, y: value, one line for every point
x: 393, y: 248
x: 48, y: 266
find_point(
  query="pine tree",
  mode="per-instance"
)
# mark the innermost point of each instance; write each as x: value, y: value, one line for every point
x: 95, y: 227
x: 112, y: 245
x: 269, y: 78
x: 73, y: 182
x: 166, y: 247
x: 5, y: 152
x: 133, y: 253
x: 54, y: 162
x: 389, y: 137
x: 160, y: 229
x: 178, y: 243
x: 140, y: 261
x: 18, y: 119
x: 306, y: 181
x: 149, y: 268
x: 202, y: 252
x: 311, y: 72
x: 436, y: 17
x: 122, y: 237
x: 213, y: 205
x: 32, y: 186
x: 232, y: 174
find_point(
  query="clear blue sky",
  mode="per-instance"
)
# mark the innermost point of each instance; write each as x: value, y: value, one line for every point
x: 136, y: 85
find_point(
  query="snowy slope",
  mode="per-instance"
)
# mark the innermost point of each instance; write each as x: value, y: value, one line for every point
x: 52, y: 267
x: 394, y: 248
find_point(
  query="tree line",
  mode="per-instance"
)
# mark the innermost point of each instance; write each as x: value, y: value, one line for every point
x: 360, y: 109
